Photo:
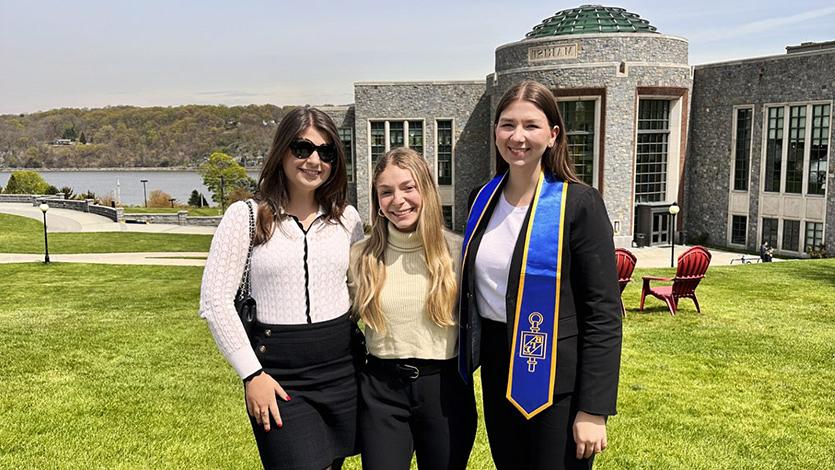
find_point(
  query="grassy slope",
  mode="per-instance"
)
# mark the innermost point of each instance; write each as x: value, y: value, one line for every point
x: 105, y: 366
x: 24, y: 235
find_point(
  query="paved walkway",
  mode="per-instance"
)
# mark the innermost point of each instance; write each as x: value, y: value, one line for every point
x: 155, y: 259
x: 67, y: 220
x: 652, y: 257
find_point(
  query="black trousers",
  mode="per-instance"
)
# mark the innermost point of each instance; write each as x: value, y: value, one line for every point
x: 546, y: 441
x: 433, y: 415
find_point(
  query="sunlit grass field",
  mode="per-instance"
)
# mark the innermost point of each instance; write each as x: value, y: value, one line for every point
x: 24, y: 235
x: 111, y: 367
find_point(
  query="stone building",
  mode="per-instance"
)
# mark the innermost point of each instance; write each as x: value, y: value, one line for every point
x: 625, y: 92
x: 760, y: 141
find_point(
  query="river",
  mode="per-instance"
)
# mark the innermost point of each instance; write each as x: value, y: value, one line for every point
x: 126, y: 185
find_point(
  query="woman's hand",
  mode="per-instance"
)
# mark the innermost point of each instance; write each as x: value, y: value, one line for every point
x: 260, y: 399
x: 589, y: 434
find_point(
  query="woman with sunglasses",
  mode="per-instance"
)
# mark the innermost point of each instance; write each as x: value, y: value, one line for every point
x: 296, y: 365
x: 403, y: 280
x: 540, y: 303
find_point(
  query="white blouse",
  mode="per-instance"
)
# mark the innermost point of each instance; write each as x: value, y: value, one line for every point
x: 492, y: 262
x: 297, y: 277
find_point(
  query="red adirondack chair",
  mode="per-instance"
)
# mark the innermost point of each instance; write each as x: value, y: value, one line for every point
x: 692, y: 265
x: 626, y: 264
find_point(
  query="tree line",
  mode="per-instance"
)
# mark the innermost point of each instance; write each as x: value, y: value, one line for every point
x: 133, y: 137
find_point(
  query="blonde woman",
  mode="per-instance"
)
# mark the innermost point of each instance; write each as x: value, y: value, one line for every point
x: 403, y: 280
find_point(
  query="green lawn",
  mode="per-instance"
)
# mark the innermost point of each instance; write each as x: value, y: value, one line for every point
x: 173, y: 210
x: 24, y: 235
x: 110, y: 367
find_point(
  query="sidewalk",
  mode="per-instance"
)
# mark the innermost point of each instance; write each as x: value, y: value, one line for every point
x: 66, y: 220
x: 651, y: 257
x: 659, y: 256
x: 152, y: 258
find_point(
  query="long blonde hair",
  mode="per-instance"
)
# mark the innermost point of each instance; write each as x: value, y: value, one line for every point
x: 370, y: 271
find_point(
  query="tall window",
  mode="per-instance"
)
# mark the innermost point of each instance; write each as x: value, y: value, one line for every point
x: 770, y: 231
x: 814, y: 236
x: 444, y: 152
x: 579, y: 122
x: 739, y: 227
x: 416, y: 136
x: 797, y: 143
x: 742, y: 149
x: 386, y: 135
x: 774, y: 150
x: 396, y: 134
x: 819, y: 149
x: 791, y: 235
x: 800, y: 150
x: 378, y: 141
x: 447, y: 213
x: 346, y: 136
x: 653, y: 142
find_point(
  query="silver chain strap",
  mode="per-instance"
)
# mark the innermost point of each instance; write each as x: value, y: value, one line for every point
x: 245, y: 281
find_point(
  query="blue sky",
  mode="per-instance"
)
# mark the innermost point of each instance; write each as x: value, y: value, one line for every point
x: 90, y: 53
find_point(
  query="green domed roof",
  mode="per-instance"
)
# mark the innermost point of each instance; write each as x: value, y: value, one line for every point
x: 588, y: 19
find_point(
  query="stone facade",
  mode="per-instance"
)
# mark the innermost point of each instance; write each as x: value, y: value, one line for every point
x: 464, y: 103
x: 795, y: 78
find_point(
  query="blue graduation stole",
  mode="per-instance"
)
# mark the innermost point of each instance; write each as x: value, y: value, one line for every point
x: 533, y: 361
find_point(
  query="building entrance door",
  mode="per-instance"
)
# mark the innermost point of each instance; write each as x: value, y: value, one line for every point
x: 660, y: 228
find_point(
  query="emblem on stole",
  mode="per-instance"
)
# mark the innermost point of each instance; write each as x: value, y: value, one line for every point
x: 532, y: 346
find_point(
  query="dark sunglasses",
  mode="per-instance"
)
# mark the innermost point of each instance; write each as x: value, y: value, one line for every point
x: 303, y: 148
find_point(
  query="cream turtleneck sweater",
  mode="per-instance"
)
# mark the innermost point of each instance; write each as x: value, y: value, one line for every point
x: 409, y: 333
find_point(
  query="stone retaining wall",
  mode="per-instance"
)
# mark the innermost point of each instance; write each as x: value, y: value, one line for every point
x: 115, y: 214
x: 180, y: 218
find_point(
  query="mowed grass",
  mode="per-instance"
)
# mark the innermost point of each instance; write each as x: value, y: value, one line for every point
x: 24, y: 235
x: 111, y: 367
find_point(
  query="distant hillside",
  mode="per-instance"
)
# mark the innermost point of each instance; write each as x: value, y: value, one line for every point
x: 131, y: 137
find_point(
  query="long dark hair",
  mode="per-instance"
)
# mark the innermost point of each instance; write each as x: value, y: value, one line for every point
x: 556, y: 159
x: 272, y: 193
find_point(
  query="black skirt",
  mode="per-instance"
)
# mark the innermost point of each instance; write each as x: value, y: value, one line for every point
x: 313, y: 363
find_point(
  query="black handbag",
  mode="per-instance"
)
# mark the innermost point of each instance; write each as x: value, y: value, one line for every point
x: 244, y: 303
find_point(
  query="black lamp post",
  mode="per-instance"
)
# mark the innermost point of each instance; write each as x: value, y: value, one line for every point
x: 674, y: 209
x: 44, y: 207
x: 145, y: 191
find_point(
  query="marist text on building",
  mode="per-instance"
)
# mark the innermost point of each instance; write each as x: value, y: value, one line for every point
x: 542, y: 53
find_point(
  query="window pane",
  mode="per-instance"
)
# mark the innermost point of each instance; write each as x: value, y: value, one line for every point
x: 814, y: 236
x: 396, y: 136
x: 416, y: 136
x: 653, y: 137
x: 819, y: 149
x: 447, y: 213
x: 791, y: 235
x: 770, y: 231
x: 738, y: 229
x: 579, y: 122
x: 742, y: 153
x: 774, y: 149
x: 797, y: 144
x: 444, y: 152
x: 378, y: 141
x: 346, y: 136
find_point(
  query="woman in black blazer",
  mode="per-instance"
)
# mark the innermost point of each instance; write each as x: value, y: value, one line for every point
x: 539, y: 265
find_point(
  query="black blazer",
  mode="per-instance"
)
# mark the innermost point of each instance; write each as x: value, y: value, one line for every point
x: 589, y: 335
